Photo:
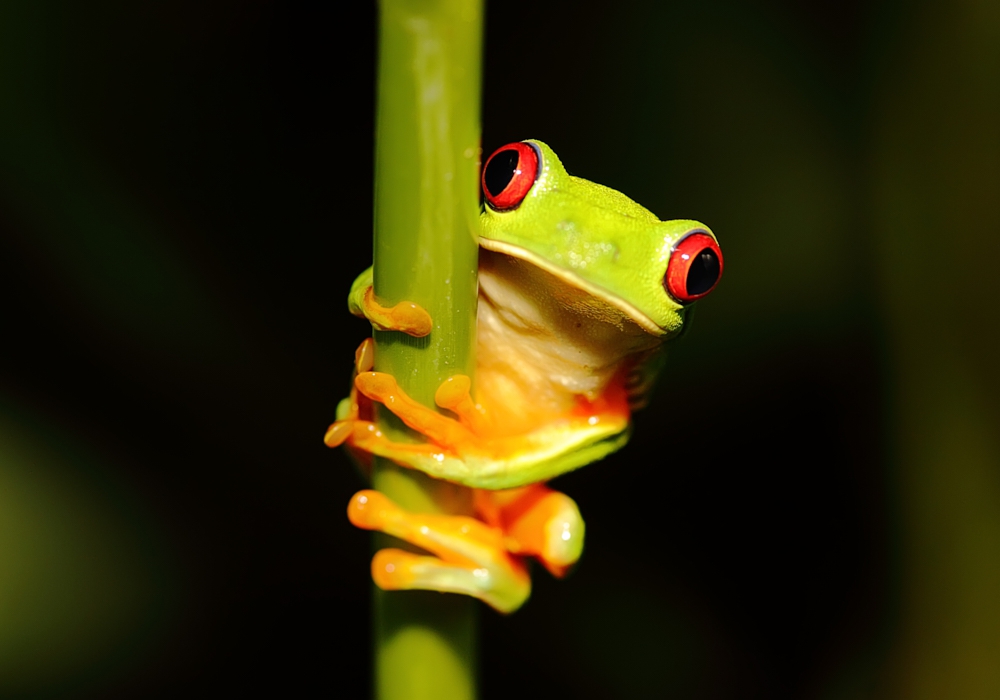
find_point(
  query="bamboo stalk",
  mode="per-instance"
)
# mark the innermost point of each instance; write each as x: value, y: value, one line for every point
x: 426, y: 248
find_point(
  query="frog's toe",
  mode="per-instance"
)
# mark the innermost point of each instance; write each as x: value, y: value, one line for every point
x: 364, y: 356
x: 338, y: 432
x: 538, y: 522
x: 369, y: 509
x: 453, y: 392
x: 563, y: 535
x: 455, y: 395
x: 448, y: 433
x: 464, y: 555
x: 394, y: 570
x: 378, y: 386
x: 405, y: 316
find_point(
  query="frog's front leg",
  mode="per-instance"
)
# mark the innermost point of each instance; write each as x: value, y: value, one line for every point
x: 470, y: 556
x: 438, y: 457
x: 355, y: 408
x: 467, y: 451
x: 405, y: 316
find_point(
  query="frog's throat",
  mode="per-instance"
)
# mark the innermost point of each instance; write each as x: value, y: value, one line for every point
x: 598, y: 291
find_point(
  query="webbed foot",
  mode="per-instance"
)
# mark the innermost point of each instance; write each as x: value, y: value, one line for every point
x: 469, y: 556
x: 481, y: 557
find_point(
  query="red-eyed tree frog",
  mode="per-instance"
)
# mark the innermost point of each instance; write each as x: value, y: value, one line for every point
x: 579, y: 287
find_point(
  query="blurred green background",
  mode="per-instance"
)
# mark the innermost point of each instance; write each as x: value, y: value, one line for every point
x: 809, y: 509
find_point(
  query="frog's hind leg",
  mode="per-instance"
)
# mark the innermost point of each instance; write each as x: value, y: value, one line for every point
x: 536, y: 521
x: 470, y: 556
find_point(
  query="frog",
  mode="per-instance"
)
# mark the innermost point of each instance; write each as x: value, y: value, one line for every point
x: 580, y: 288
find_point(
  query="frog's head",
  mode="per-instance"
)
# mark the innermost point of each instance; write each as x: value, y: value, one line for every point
x: 595, y: 238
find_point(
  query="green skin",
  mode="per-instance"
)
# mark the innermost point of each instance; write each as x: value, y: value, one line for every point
x: 602, y: 258
x: 597, y: 239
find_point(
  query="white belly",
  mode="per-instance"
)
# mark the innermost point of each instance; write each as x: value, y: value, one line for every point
x: 543, y: 344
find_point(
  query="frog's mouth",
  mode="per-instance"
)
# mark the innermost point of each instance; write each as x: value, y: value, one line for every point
x: 595, y: 290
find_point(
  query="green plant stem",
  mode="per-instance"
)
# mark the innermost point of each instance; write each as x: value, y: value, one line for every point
x: 426, y: 231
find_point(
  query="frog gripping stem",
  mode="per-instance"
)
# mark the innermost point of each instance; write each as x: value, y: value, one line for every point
x: 469, y: 556
x: 405, y: 317
x: 481, y: 556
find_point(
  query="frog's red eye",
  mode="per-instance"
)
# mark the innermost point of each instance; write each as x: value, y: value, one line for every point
x: 509, y: 174
x: 694, y: 269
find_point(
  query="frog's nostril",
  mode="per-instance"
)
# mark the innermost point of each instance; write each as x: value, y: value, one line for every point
x: 694, y: 269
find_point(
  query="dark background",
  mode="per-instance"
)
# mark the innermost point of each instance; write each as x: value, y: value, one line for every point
x: 809, y: 509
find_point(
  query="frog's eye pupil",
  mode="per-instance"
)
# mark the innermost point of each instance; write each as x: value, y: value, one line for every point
x: 500, y: 171
x: 694, y: 269
x: 703, y: 273
x: 509, y: 174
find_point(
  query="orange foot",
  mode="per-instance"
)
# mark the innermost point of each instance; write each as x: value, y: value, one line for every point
x: 480, y: 558
x: 463, y: 451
